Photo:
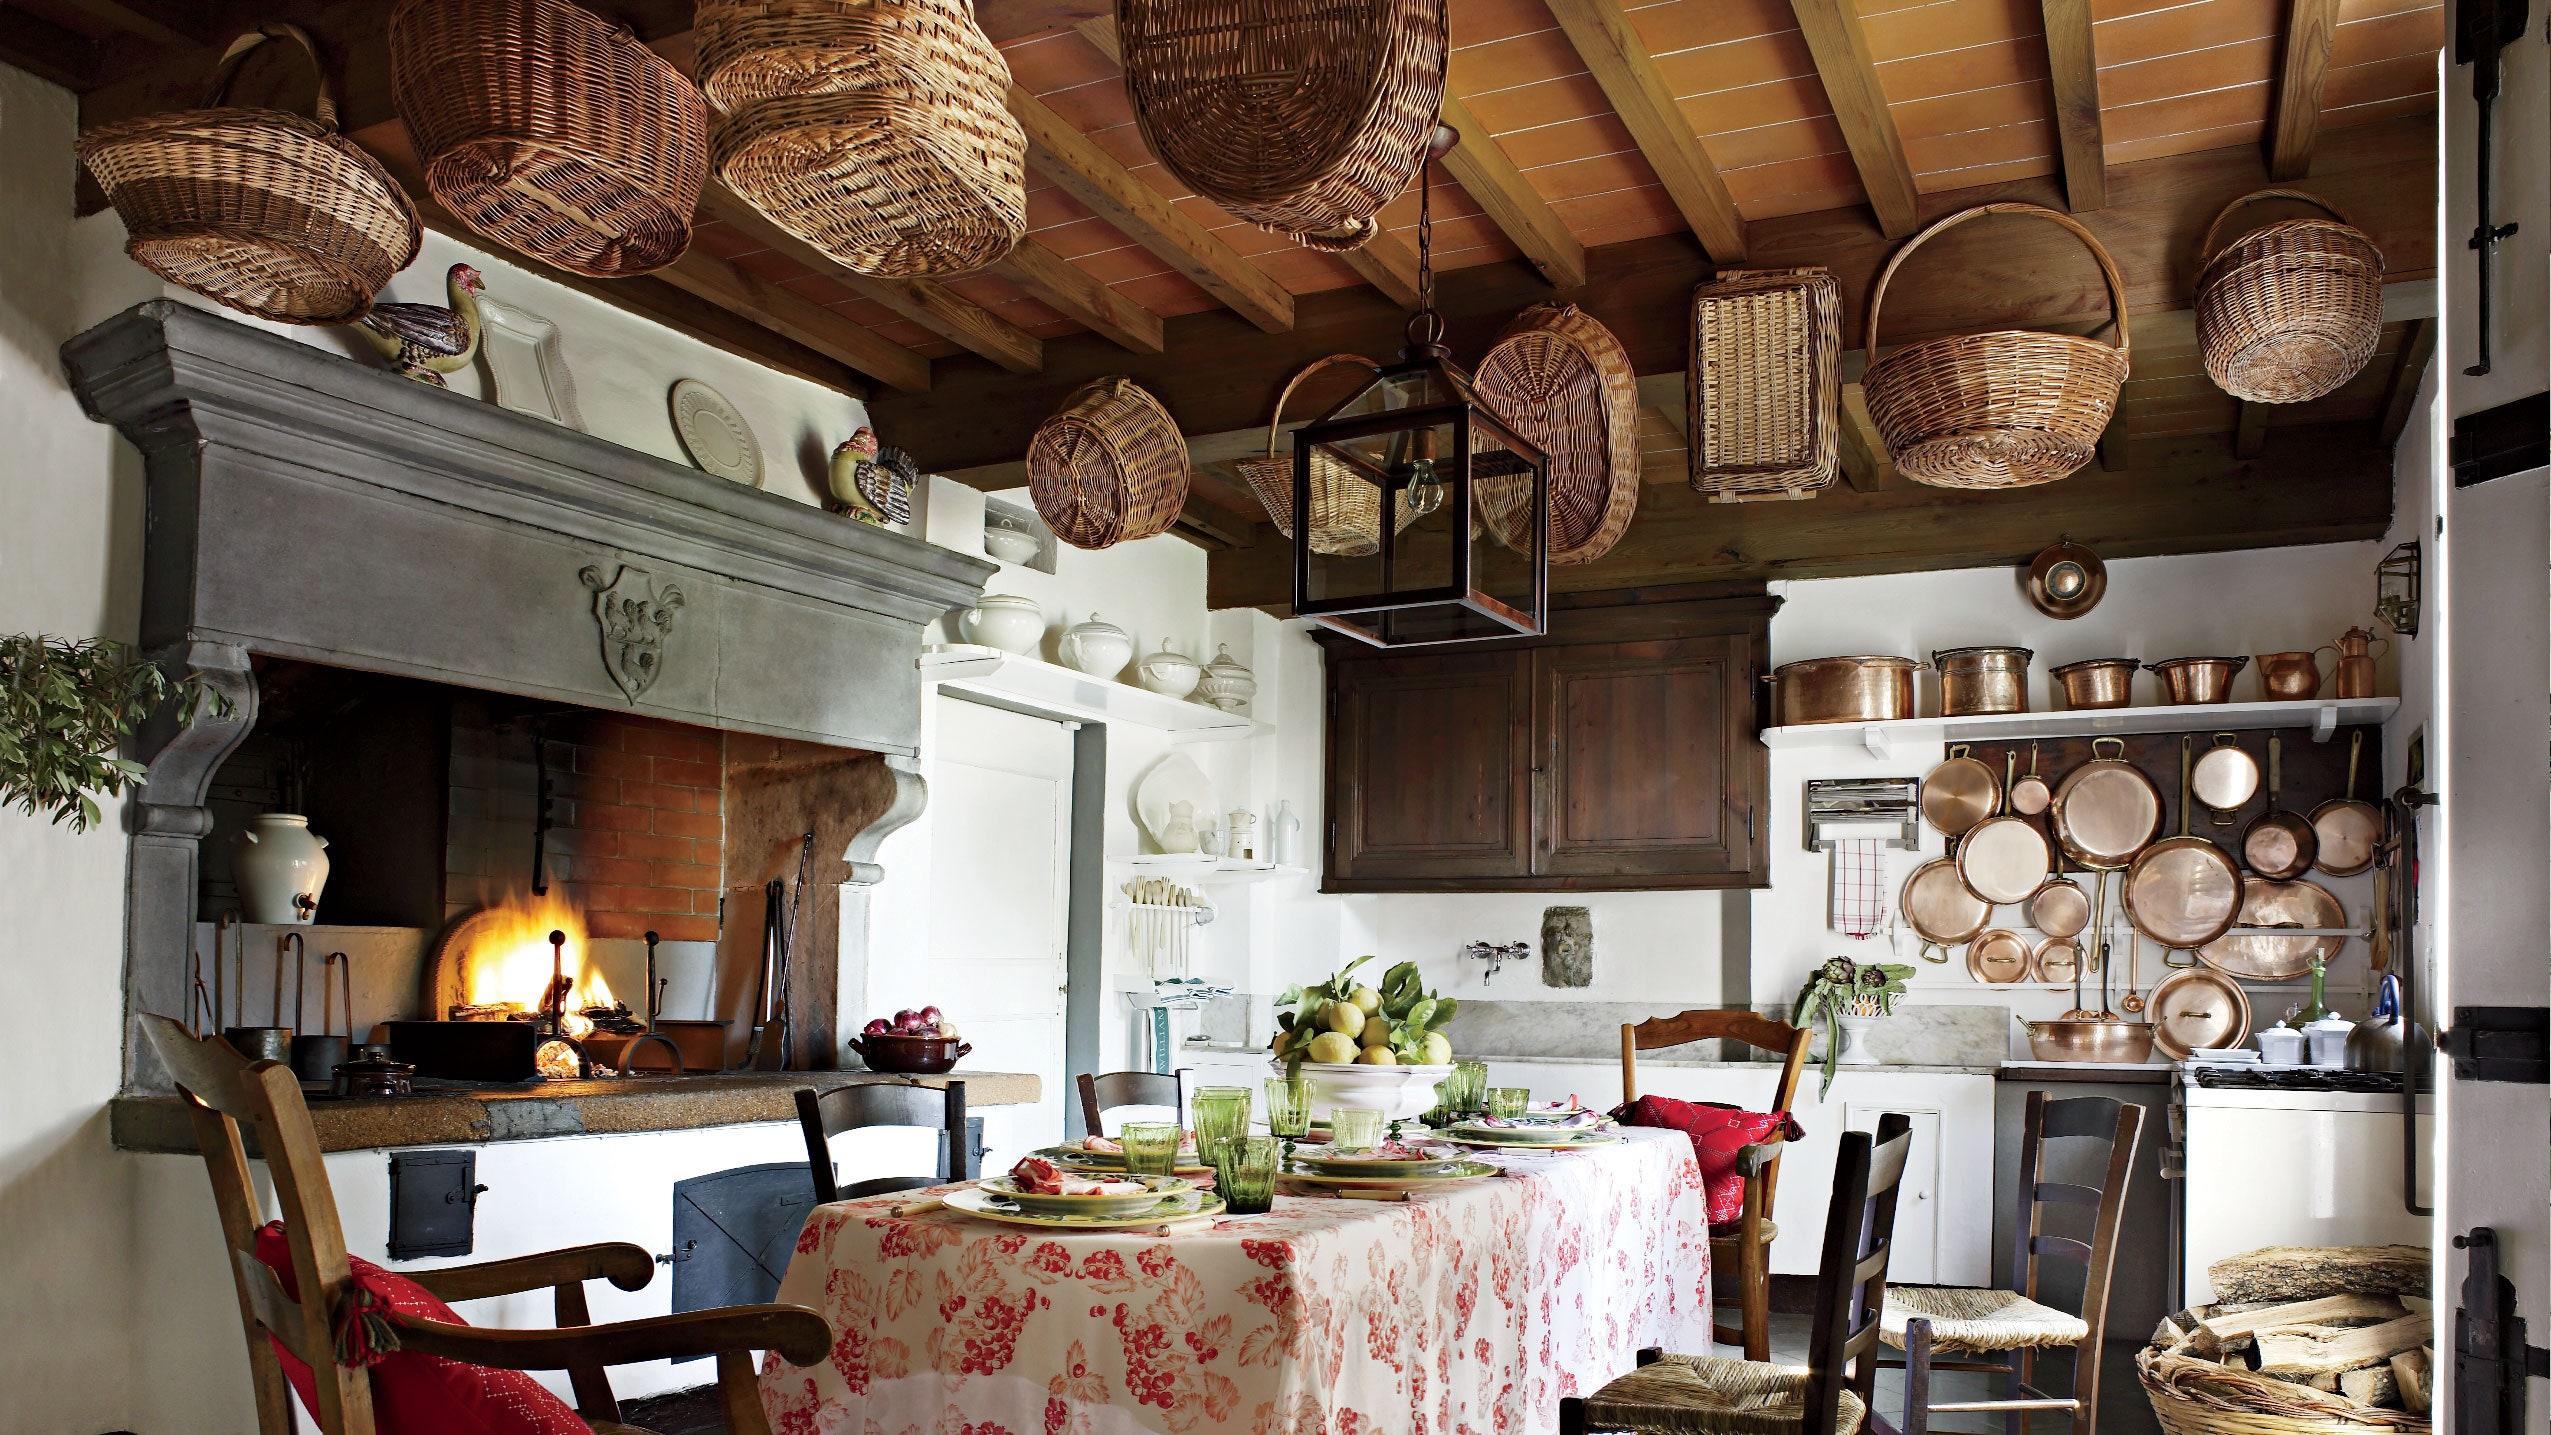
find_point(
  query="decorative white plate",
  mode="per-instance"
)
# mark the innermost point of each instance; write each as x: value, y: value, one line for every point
x: 1175, y: 778
x: 1529, y: 1140
x: 982, y: 1204
x: 527, y: 363
x: 714, y: 434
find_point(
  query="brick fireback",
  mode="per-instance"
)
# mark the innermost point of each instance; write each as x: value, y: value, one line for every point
x: 636, y: 819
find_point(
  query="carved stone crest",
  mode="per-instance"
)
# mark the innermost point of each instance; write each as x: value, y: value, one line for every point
x: 636, y: 617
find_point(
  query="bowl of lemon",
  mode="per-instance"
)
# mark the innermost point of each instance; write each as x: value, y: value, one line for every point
x: 1376, y: 1045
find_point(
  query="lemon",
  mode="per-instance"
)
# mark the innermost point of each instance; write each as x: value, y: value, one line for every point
x: 1345, y: 1018
x: 1377, y: 1032
x: 1283, y: 1043
x: 1439, y: 1049
x: 1378, y: 1056
x: 1332, y: 1048
x: 1367, y: 998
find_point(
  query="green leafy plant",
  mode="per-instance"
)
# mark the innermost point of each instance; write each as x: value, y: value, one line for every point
x: 1840, y: 988
x: 65, y: 707
x: 1410, y: 1013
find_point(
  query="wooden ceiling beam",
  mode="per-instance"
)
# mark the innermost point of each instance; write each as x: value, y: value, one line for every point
x: 1840, y: 46
x: 1481, y: 167
x: 47, y: 51
x: 2250, y: 430
x: 1069, y: 290
x: 2072, y: 70
x: 795, y: 318
x: 2303, y: 67
x: 2400, y: 396
x: 1619, y: 62
x: 153, y: 22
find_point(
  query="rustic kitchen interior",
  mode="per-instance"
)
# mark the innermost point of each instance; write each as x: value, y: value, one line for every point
x: 1275, y: 716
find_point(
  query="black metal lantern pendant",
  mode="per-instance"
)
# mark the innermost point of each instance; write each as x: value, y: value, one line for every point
x: 1465, y: 500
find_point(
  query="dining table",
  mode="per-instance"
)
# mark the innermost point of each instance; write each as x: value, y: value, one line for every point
x: 1470, y: 1307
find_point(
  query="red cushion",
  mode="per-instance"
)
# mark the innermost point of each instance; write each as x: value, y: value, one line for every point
x: 1718, y: 1134
x: 415, y: 1394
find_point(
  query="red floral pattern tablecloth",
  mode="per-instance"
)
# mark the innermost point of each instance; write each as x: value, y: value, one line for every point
x: 1472, y: 1309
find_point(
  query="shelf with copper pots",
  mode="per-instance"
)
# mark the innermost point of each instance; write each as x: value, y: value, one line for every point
x: 2321, y: 717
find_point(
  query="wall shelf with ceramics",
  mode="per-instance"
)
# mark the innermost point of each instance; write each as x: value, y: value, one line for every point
x: 2322, y: 717
x: 1016, y: 680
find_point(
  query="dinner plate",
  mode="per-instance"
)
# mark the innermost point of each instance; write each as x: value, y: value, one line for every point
x: 1362, y: 1165
x: 1189, y: 1164
x: 1131, y: 1203
x: 1460, y: 1171
x: 1529, y: 1140
x: 716, y: 436
x: 982, y: 1204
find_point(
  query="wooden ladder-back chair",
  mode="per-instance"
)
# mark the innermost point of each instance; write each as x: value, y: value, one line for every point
x: 1711, y: 1395
x: 2001, y: 1330
x: 1743, y: 1248
x: 822, y: 1115
x: 224, y: 1092
x: 1118, y: 1089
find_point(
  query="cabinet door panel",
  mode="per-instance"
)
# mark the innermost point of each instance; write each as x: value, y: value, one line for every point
x: 1640, y: 751
x: 1428, y: 766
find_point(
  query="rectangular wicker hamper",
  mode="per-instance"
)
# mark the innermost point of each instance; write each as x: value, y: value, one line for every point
x: 1763, y: 402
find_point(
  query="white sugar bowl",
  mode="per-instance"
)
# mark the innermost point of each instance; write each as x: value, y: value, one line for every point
x: 1005, y: 621
x: 1227, y: 684
x: 1171, y: 672
x: 1096, y: 647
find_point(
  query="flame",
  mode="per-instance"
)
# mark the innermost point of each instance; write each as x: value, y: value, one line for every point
x: 509, y: 962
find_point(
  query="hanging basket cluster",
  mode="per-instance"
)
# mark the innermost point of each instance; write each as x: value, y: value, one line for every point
x: 2291, y: 310
x: 1560, y: 379
x: 1110, y: 466
x: 1303, y: 116
x: 877, y: 131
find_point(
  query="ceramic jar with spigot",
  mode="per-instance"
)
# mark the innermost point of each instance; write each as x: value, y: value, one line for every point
x: 279, y: 865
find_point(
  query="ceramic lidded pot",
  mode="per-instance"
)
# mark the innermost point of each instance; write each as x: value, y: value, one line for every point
x: 1097, y: 647
x: 1171, y: 672
x: 1005, y: 621
x: 280, y: 865
x: 1227, y: 684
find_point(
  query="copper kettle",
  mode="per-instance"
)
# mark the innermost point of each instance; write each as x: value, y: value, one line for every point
x: 2354, y: 674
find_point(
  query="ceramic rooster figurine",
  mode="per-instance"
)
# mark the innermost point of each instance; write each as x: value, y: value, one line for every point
x: 426, y: 341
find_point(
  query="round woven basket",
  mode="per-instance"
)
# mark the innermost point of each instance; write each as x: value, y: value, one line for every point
x: 265, y: 211
x: 755, y: 50
x: 2199, y: 1397
x: 551, y: 131
x: 1560, y: 379
x: 898, y: 182
x: 2008, y: 408
x: 1304, y: 116
x: 1346, y: 509
x: 1109, y: 466
x: 2291, y: 310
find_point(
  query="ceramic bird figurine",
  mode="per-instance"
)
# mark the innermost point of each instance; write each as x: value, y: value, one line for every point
x: 871, y: 483
x: 426, y: 341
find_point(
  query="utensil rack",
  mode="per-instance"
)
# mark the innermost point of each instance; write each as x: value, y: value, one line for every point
x: 1160, y: 935
x: 1864, y: 801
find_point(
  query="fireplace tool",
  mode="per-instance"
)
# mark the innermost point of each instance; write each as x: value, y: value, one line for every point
x: 779, y: 934
x: 315, y: 1058
x: 2481, y: 29
x: 628, y: 1063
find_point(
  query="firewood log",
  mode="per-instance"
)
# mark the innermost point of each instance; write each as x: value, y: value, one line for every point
x: 2374, y: 1385
x: 2229, y: 1332
x: 2295, y: 1353
x: 2409, y: 1372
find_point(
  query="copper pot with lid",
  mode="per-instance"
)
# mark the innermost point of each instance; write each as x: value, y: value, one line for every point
x: 2186, y: 681
x: 1982, y: 680
x: 1871, y: 688
x: 2097, y: 683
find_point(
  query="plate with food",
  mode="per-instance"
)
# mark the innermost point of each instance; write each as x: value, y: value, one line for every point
x: 1041, y: 1187
x: 1391, y: 1158
x: 1103, y: 1153
x: 1501, y: 1135
x: 1452, y: 1173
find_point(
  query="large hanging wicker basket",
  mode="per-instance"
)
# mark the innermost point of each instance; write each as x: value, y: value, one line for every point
x: 1560, y: 379
x: 1346, y: 508
x: 1109, y: 466
x: 551, y: 131
x: 2289, y: 311
x: 266, y: 211
x: 2008, y: 408
x: 1304, y: 116
x: 1762, y: 392
x: 878, y: 131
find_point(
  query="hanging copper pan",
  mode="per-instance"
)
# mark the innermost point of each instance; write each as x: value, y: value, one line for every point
x: 2030, y: 794
x: 2057, y: 959
x: 2004, y: 858
x: 1939, y: 908
x: 2183, y: 891
x: 2105, y: 810
x: 2262, y: 956
x: 2227, y: 777
x: 2198, y: 1007
x: 1998, y: 957
x: 1959, y: 793
x: 2278, y: 844
x: 2347, y: 829
x: 2060, y: 909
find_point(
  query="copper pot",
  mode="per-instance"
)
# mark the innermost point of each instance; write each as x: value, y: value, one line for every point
x: 2197, y: 680
x: 1859, y: 689
x: 2128, y: 1042
x: 1982, y: 680
x: 2097, y: 682
x: 2288, y: 676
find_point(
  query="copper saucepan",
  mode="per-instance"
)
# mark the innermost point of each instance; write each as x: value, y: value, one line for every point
x: 2105, y: 810
x: 2279, y: 844
x: 2347, y: 830
x: 2004, y: 858
x: 2227, y: 777
x: 1959, y: 793
x: 1982, y: 680
x: 2030, y: 794
x: 2197, y: 680
x: 2097, y: 683
x: 2060, y: 908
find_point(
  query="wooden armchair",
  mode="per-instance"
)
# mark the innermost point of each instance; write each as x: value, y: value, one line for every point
x: 1745, y: 1245
x: 224, y: 1091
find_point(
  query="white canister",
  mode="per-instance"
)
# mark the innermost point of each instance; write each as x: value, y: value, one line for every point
x: 279, y: 865
x: 2326, y: 1041
x: 1005, y: 621
x: 1170, y: 672
x: 1096, y: 647
x: 1227, y: 684
x: 2280, y: 1045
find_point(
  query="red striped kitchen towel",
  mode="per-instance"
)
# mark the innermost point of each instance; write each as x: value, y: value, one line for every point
x: 1859, y: 906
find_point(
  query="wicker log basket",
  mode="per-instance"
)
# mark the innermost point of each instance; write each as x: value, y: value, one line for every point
x: 2291, y: 310
x: 266, y: 211
x: 1346, y: 508
x: 878, y: 131
x: 2196, y: 1370
x: 552, y: 131
x: 1109, y: 466
x: 1303, y: 116
x: 1763, y: 396
x: 1560, y: 379
x: 2007, y: 408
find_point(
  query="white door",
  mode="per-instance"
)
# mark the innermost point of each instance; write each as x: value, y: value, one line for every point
x: 1000, y: 812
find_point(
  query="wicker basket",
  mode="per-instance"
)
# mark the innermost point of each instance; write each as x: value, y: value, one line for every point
x: 2290, y: 311
x: 2199, y: 1397
x: 1304, y: 116
x: 755, y: 50
x: 1346, y: 509
x: 266, y: 211
x: 1763, y: 396
x: 2003, y: 409
x: 551, y: 131
x: 1109, y: 466
x: 1561, y: 379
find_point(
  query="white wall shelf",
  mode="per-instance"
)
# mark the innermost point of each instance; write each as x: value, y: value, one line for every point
x: 1196, y: 867
x: 2321, y: 716
x: 1017, y: 681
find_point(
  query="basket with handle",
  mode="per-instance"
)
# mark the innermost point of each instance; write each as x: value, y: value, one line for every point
x: 1109, y: 466
x: 2005, y: 408
x: 552, y: 131
x: 1558, y: 377
x: 1763, y: 398
x: 1302, y: 116
x: 266, y: 211
x: 1346, y: 509
x: 2291, y: 310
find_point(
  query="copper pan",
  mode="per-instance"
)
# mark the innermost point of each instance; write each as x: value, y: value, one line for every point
x: 2060, y: 908
x: 2057, y: 959
x: 2097, y: 683
x: 2030, y: 794
x: 1959, y: 793
x: 2124, y: 1043
x: 1823, y: 690
x: 2227, y: 777
x: 2264, y: 956
x: 1998, y: 957
x: 2279, y: 844
x: 2196, y: 1007
x: 2197, y: 680
x: 2347, y: 830
x: 2183, y: 891
x: 1939, y: 908
x: 2105, y: 810
x: 2004, y: 859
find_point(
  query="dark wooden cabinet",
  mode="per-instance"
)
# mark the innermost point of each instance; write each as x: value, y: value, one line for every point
x: 1617, y: 753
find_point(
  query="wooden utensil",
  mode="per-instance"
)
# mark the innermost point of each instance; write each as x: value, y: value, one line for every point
x: 2279, y: 844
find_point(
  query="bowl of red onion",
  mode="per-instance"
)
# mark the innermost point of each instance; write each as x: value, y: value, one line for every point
x: 913, y: 1043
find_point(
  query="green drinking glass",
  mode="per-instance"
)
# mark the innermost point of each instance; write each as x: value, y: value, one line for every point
x: 1244, y: 1173
x: 1221, y: 1115
x: 1151, y: 1147
x: 1508, y: 1102
x: 1288, y: 1107
x: 1354, y: 1128
x: 1466, y: 1088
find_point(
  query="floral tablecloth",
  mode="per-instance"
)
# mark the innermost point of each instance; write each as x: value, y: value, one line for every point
x: 1472, y: 1309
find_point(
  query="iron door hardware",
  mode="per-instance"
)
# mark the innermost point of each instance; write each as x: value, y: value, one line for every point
x: 2499, y: 1043
x: 2491, y: 1360
x: 2481, y: 29
x: 2513, y: 437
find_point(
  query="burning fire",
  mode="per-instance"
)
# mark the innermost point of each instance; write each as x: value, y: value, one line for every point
x: 508, y: 961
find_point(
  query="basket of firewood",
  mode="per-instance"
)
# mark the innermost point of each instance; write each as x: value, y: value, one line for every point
x: 2303, y: 1341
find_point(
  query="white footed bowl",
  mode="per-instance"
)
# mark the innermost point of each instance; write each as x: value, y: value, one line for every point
x: 1400, y: 1093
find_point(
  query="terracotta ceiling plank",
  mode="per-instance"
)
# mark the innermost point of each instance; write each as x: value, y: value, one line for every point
x: 1850, y: 75
x: 2072, y: 65
x: 1484, y: 171
x: 1060, y: 285
x: 1619, y: 62
x: 1088, y: 174
x: 2303, y: 67
x: 154, y: 22
x: 934, y: 307
x: 799, y: 320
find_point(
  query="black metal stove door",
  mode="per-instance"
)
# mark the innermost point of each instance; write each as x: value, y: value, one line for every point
x: 734, y: 1231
